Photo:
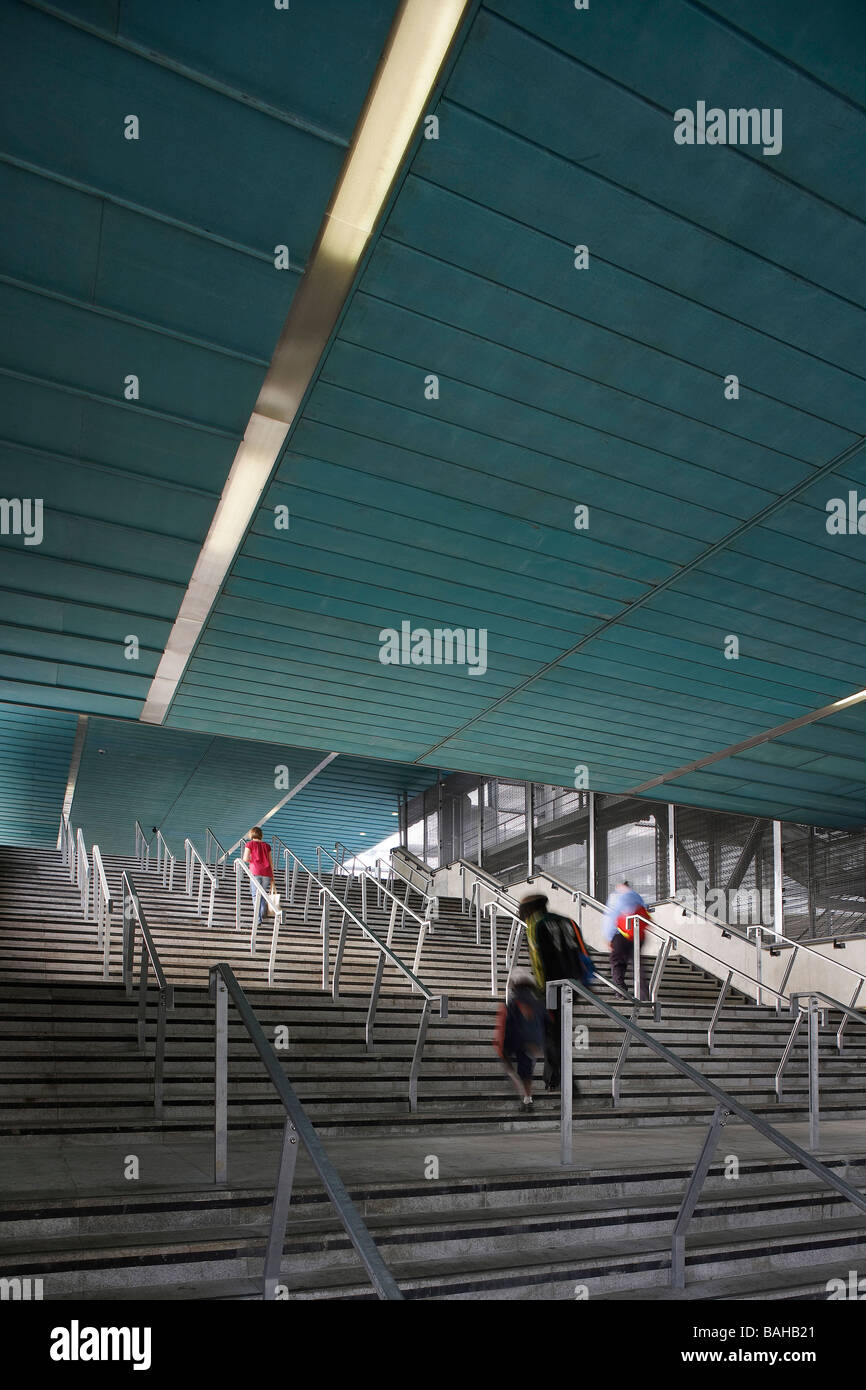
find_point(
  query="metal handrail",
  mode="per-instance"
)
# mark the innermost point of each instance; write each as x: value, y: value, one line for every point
x: 66, y: 845
x: 425, y: 924
x: 192, y: 858
x: 273, y: 901
x: 134, y: 920
x: 103, y: 906
x: 142, y: 847
x: 82, y: 872
x: 773, y: 939
x: 811, y: 1012
x: 220, y: 855
x: 165, y: 861
x: 417, y: 864
x: 326, y: 897
x: 726, y: 1106
x: 298, y: 1125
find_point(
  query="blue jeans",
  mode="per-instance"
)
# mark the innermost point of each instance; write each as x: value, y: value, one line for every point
x: 265, y: 881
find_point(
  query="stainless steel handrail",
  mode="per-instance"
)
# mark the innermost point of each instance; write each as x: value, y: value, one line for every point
x: 142, y: 847
x: 425, y: 924
x: 726, y: 1106
x: 326, y: 897
x: 812, y: 1012
x: 192, y: 858
x: 220, y: 855
x: 103, y: 907
x: 273, y: 901
x: 223, y: 986
x: 66, y: 845
x: 165, y: 861
x: 767, y: 937
x: 134, y: 920
x: 82, y: 873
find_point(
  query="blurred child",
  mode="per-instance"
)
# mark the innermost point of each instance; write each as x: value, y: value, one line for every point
x: 519, y: 1038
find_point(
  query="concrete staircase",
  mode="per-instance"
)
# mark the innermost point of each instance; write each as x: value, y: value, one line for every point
x: 70, y: 1075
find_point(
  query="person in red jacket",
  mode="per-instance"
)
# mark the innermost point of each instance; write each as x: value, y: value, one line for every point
x: 257, y: 853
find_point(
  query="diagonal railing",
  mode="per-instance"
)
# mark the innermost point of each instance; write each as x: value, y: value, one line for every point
x: 726, y: 1105
x: 103, y: 907
x: 328, y: 899
x: 383, y: 895
x: 224, y: 986
x: 259, y: 896
x: 135, y: 924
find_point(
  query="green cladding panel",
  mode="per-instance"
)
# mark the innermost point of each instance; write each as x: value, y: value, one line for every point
x: 35, y: 753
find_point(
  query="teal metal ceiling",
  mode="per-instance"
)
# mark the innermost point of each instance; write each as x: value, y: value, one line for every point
x: 154, y: 258
x: 181, y: 783
x: 558, y: 388
x: 35, y: 752
x: 602, y: 387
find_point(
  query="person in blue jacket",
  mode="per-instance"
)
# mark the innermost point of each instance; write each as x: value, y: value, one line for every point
x: 623, y: 905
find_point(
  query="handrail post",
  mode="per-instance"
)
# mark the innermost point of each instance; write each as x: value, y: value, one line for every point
x: 338, y: 959
x: 789, y: 1047
x: 655, y: 983
x: 635, y: 931
x: 621, y: 1060
x: 326, y: 946
x: 159, y: 1058
x: 374, y: 1000
x: 142, y: 999
x: 422, y: 932
x: 220, y: 996
x: 840, y: 1035
x: 128, y: 941
x: 491, y: 908
x: 692, y: 1196
x: 280, y: 1211
x: 814, y: 1094
x: 711, y: 1031
x: 238, y: 923
x: 416, y: 1056
x: 566, y: 1036
x: 272, y: 958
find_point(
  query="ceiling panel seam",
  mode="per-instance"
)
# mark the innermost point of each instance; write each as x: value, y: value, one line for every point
x: 663, y: 208
x: 141, y: 210
x: 118, y: 316
x: 755, y: 160
x: 48, y: 384
x: 633, y: 274
x: 162, y: 60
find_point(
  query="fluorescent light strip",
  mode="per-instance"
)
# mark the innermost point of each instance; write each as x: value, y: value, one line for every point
x: 823, y: 713
x: 74, y: 763
x: 280, y: 804
x: 417, y: 47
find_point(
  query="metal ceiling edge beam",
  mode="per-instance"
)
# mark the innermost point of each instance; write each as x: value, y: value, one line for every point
x: 75, y: 763
x: 838, y: 461
x: 289, y: 795
x: 418, y: 47
x: 766, y: 737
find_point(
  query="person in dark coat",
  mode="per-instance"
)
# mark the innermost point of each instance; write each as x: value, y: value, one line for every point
x: 556, y: 954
